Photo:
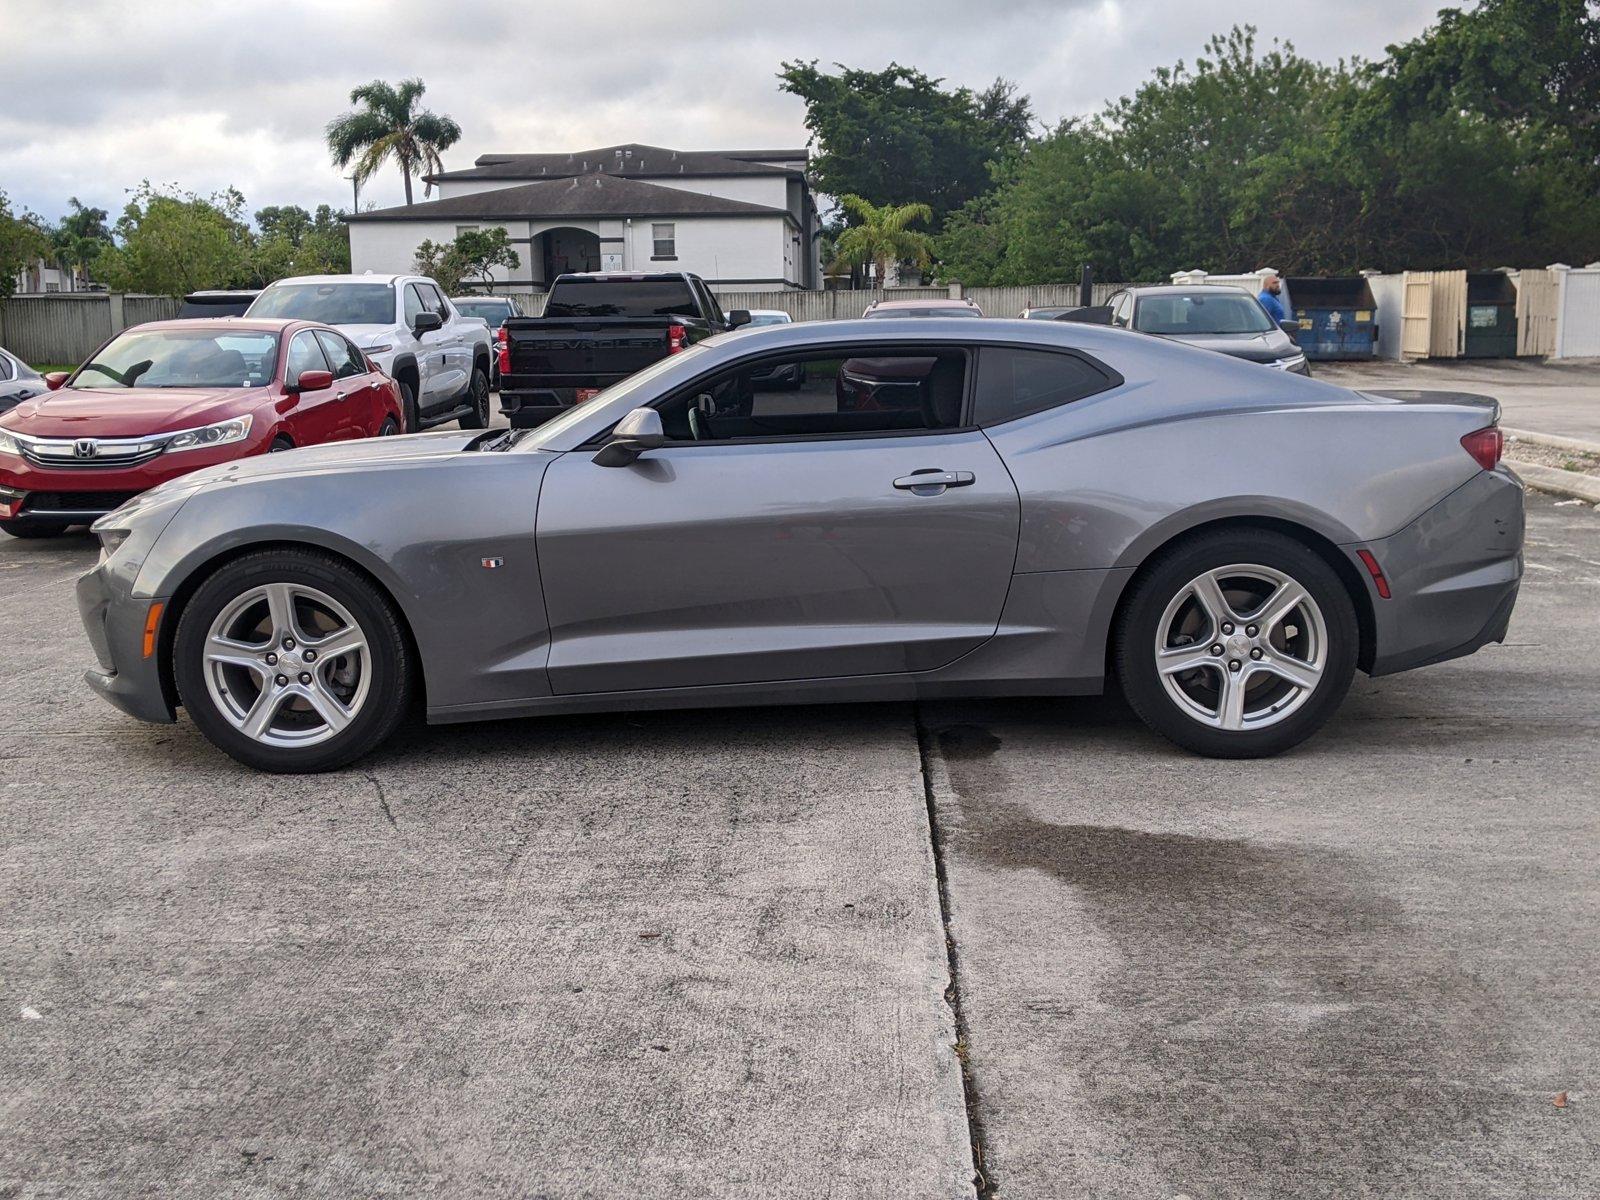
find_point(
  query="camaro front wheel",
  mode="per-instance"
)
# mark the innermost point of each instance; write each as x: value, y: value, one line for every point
x: 292, y: 661
x: 1238, y: 644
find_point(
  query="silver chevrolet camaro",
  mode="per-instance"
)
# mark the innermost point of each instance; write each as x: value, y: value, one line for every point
x: 940, y: 508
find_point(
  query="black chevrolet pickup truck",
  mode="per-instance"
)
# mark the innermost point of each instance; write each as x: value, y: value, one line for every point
x: 598, y: 329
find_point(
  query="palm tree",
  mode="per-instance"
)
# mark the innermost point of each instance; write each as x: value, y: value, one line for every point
x: 391, y: 126
x: 881, y: 236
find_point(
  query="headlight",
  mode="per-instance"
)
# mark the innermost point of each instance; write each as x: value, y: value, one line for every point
x: 8, y: 444
x: 219, y: 434
x: 1293, y: 363
x: 110, y: 539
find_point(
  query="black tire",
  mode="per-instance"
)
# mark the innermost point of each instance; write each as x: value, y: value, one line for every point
x: 279, y: 445
x: 389, y: 428
x: 478, y: 395
x: 34, y: 529
x: 1167, y: 577
x: 391, y: 659
x: 409, y: 419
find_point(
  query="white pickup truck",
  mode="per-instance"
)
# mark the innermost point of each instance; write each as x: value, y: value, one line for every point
x: 404, y: 324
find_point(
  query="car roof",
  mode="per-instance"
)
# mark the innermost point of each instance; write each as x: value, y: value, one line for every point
x: 1183, y: 289
x: 243, y: 324
x: 768, y: 312
x: 390, y: 279
x: 936, y: 302
x: 223, y: 293
x: 498, y: 299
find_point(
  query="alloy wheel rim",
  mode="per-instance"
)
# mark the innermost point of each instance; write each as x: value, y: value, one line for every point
x: 287, y: 665
x: 1241, y: 647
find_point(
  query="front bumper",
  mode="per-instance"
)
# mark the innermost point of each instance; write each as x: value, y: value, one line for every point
x: 115, y: 623
x: 48, y: 495
x: 1453, y: 574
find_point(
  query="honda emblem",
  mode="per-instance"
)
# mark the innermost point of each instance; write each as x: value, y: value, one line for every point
x: 84, y: 448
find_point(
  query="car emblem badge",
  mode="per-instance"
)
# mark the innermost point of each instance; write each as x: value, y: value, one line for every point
x: 84, y: 448
x: 493, y: 564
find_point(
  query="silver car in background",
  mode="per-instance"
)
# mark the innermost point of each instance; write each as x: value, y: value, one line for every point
x: 1216, y: 317
x: 18, y: 381
x: 945, y: 507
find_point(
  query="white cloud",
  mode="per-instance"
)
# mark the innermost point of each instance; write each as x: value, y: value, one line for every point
x: 237, y: 94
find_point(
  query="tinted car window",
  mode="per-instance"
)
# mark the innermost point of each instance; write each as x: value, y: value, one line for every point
x: 330, y: 303
x: 304, y: 355
x: 434, y: 301
x: 879, y: 390
x: 344, y: 357
x: 1014, y: 383
x: 5, y: 367
x: 493, y: 312
x: 414, y: 304
x: 1199, y: 313
x: 622, y: 298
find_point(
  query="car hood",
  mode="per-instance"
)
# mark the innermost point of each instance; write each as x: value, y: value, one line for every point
x: 128, y: 412
x: 333, y: 457
x: 1255, y: 347
x: 368, y: 335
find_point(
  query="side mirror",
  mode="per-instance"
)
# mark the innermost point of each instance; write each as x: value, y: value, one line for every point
x: 311, y: 381
x: 1292, y: 328
x: 54, y: 379
x: 637, y: 432
x: 738, y: 317
x: 427, y: 322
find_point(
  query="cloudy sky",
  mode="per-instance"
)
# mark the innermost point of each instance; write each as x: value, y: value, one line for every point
x: 100, y: 94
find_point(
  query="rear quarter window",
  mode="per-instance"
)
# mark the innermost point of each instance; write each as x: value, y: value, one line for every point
x: 1016, y: 383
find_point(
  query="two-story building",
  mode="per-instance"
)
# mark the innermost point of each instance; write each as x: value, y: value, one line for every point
x: 743, y: 219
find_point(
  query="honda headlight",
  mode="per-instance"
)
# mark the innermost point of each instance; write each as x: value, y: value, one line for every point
x: 220, y: 434
x: 9, y: 444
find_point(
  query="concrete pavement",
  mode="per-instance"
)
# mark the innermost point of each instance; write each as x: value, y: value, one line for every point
x: 1364, y: 969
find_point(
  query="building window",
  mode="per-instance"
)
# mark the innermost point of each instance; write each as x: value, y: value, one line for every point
x: 460, y: 229
x: 664, y: 241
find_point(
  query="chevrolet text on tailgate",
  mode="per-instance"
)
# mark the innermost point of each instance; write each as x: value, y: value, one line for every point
x: 598, y: 329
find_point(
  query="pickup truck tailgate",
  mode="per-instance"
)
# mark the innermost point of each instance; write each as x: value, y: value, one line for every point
x: 583, y: 353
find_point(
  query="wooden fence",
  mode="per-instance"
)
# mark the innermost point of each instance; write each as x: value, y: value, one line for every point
x: 67, y: 327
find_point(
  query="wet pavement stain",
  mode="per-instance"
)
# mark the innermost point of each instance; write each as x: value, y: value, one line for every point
x: 1267, y: 1010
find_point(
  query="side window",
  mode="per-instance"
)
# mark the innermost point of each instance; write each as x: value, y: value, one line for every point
x: 879, y: 389
x: 5, y: 367
x: 414, y: 305
x: 713, y: 309
x: 346, y: 359
x: 432, y: 298
x: 304, y: 355
x: 1015, y: 383
x: 1121, y: 308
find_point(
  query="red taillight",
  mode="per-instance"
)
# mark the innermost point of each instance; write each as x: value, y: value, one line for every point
x: 1485, y: 446
x: 502, y: 350
x: 1373, y: 569
x: 677, y: 339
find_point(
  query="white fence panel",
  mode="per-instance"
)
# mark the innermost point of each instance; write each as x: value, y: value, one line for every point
x: 1578, y: 331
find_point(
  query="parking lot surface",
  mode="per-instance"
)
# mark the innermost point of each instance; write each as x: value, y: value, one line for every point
x: 702, y: 953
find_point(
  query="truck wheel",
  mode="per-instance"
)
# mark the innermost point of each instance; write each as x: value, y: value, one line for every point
x: 478, y: 394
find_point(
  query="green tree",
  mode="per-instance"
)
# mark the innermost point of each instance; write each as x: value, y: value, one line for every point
x: 390, y: 126
x: 880, y: 236
x: 472, y: 255
x: 22, y: 240
x: 293, y: 241
x: 897, y: 137
x: 171, y: 242
x: 80, y: 237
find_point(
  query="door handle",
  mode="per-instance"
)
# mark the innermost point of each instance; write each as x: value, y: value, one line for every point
x: 931, y: 481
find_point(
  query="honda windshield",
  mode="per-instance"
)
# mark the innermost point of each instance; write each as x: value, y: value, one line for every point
x: 182, y: 358
x: 330, y: 303
x: 1200, y: 314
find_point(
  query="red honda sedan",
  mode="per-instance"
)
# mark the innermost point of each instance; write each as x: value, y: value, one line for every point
x: 167, y: 398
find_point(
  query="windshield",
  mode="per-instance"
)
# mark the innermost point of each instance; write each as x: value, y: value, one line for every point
x: 1196, y: 313
x: 330, y: 303
x: 636, y: 385
x: 182, y: 358
x: 492, y: 311
x: 769, y: 319
x: 621, y: 298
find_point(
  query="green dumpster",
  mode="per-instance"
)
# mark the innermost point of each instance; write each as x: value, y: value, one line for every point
x: 1491, y: 316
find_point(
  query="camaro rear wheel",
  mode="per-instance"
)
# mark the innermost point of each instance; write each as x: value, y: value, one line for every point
x: 291, y: 661
x: 1238, y: 644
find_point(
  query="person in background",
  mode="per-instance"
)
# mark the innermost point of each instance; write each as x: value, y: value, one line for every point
x: 1271, y: 299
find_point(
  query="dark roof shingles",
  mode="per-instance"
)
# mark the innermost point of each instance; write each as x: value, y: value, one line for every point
x: 581, y: 196
x: 633, y: 160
